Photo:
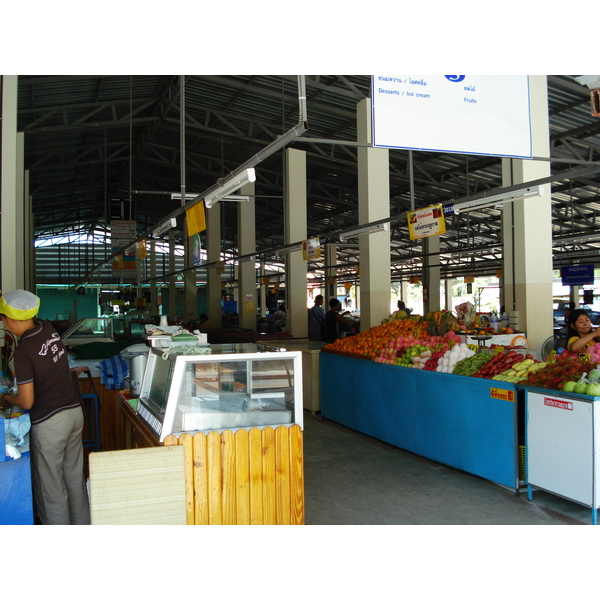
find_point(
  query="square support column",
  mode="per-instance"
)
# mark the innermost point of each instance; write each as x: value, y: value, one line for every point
x: 213, y: 255
x: 295, y: 231
x: 527, y: 230
x: 330, y: 274
x: 153, y: 289
x: 448, y: 291
x: 247, y: 267
x: 11, y: 190
x: 431, y: 274
x: 373, y: 205
x: 172, y: 312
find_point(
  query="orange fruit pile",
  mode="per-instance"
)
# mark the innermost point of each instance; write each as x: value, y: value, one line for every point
x: 369, y: 343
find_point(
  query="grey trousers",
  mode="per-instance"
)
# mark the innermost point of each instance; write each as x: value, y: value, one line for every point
x: 57, y: 477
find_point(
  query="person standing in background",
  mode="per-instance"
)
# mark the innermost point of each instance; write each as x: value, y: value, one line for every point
x: 334, y: 321
x: 316, y: 316
x: 46, y: 390
x: 402, y: 309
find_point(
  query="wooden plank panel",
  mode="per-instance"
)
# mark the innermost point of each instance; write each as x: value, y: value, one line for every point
x: 138, y: 487
x: 268, y: 468
x: 282, y: 476
x: 256, y: 478
x: 200, y: 453
x: 185, y: 440
x: 228, y: 473
x: 110, y: 418
x: 242, y: 477
x: 297, y: 475
x: 215, y: 479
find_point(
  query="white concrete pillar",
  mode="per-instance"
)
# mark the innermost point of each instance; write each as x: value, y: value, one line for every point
x: 213, y: 252
x: 404, y: 292
x: 330, y: 274
x: 574, y: 295
x: 153, y: 289
x: 21, y: 237
x: 527, y: 230
x: 431, y: 274
x: 191, y: 294
x: 373, y: 205
x: 294, y: 209
x: 263, y: 291
x: 172, y: 312
x: 12, y: 186
x: 247, y: 300
x: 29, y: 237
x: 189, y: 277
x: 448, y: 291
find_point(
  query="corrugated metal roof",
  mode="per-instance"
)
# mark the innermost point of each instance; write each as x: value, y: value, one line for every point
x: 90, y: 139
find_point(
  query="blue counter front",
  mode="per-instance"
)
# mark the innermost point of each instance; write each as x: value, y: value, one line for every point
x: 16, y: 504
x: 464, y: 422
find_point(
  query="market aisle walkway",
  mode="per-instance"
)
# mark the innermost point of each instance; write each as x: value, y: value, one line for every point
x: 352, y: 479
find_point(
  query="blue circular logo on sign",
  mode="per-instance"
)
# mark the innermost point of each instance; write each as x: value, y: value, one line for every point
x: 455, y: 78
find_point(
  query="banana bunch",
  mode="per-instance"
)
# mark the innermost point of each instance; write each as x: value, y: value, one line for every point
x: 519, y: 371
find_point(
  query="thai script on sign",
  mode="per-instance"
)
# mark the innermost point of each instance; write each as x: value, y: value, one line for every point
x: 501, y: 394
x: 554, y: 403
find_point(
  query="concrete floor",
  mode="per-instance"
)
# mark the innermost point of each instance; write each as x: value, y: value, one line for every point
x: 352, y: 479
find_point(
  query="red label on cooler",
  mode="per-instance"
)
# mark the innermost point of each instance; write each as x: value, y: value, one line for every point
x: 554, y: 403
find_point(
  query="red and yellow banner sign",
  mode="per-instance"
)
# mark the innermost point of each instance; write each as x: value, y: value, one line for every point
x: 311, y: 248
x: 426, y: 222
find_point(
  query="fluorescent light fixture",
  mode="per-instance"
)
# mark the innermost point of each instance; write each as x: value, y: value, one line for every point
x: 164, y: 227
x: 236, y: 198
x: 498, y: 199
x: 363, y: 230
x: 228, y: 187
x: 187, y: 196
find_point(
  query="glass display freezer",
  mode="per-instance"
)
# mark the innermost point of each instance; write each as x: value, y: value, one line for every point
x: 219, y: 387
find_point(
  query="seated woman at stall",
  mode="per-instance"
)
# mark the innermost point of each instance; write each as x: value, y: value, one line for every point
x: 580, y: 333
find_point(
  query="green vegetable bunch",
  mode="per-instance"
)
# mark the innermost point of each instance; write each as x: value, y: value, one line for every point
x: 469, y: 366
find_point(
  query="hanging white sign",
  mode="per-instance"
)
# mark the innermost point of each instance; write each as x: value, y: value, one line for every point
x: 467, y: 114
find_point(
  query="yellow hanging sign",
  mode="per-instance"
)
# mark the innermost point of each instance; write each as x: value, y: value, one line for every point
x: 426, y: 222
x: 196, y: 221
x: 311, y: 248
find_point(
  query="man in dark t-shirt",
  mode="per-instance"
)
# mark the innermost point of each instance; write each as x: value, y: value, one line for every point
x: 45, y: 389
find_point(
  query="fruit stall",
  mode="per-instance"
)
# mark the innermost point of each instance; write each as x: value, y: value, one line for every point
x: 415, y: 384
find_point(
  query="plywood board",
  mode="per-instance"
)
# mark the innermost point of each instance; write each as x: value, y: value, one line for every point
x: 145, y: 486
